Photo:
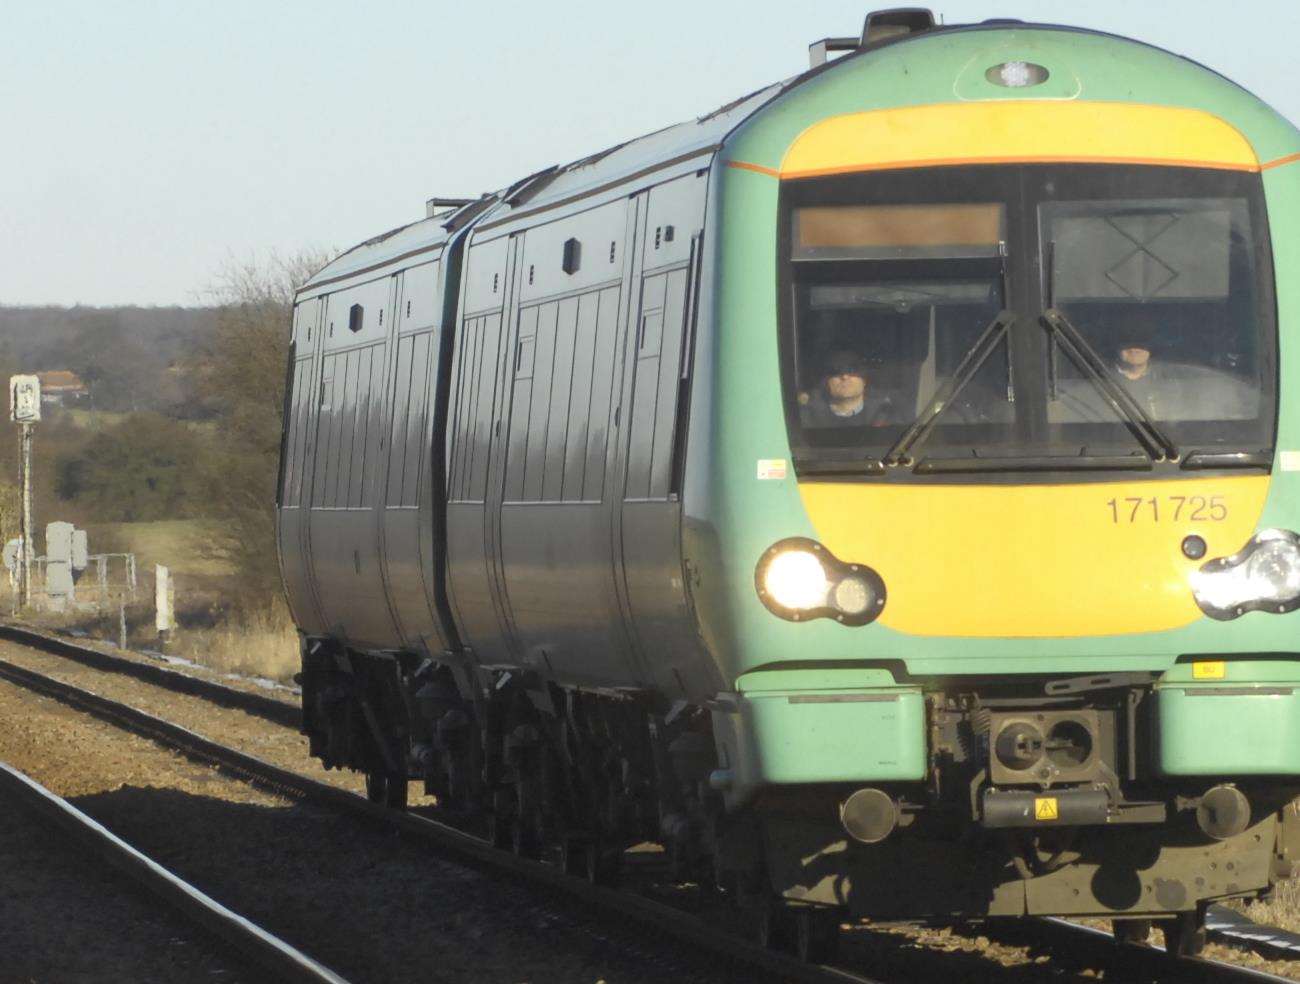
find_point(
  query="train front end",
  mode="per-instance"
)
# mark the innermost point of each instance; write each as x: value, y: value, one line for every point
x: 1006, y: 579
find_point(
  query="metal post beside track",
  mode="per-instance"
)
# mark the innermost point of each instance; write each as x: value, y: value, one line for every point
x: 25, y: 410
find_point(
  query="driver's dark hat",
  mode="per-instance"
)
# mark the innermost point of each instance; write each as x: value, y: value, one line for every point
x: 846, y: 361
x: 1133, y: 340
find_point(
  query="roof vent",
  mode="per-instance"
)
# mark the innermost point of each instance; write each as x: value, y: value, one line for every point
x: 880, y: 25
x: 440, y: 206
x: 883, y: 24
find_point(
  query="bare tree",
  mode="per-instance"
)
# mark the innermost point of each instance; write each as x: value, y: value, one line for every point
x: 242, y: 379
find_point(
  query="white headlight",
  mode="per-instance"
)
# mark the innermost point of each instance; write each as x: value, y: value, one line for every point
x: 1017, y: 74
x: 1220, y: 590
x: 1273, y: 571
x: 796, y: 579
x: 852, y: 595
x: 1266, y: 574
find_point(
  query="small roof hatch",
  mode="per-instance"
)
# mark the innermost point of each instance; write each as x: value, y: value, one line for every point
x: 440, y: 206
x: 880, y: 25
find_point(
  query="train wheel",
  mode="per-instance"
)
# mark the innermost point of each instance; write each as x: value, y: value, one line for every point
x: 1184, y: 934
x: 682, y: 863
x: 776, y: 929
x: 573, y: 856
x: 524, y: 841
x: 499, y: 831
x: 1131, y: 930
x: 602, y: 866
x: 396, y: 792
x: 391, y: 791
x: 817, y: 935
x: 725, y: 882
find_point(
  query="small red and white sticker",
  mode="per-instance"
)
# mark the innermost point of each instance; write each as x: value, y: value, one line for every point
x: 771, y: 468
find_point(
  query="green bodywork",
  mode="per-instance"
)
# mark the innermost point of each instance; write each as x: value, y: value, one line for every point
x: 785, y: 726
x: 731, y: 519
x: 1246, y: 724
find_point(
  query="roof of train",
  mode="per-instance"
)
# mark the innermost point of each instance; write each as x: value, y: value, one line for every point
x: 614, y: 165
x: 617, y: 164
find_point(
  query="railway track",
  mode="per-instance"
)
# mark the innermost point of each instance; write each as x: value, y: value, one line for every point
x: 1059, y: 936
x: 267, y: 952
x: 662, y: 919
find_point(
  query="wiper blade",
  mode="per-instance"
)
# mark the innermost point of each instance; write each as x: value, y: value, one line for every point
x: 811, y: 465
x: 1033, y: 463
x: 971, y: 362
x: 1153, y: 439
x: 1228, y: 459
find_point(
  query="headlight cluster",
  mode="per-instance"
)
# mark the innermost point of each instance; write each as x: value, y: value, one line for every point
x: 799, y: 579
x: 1264, y: 576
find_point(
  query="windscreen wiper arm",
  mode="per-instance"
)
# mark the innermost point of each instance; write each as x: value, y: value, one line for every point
x: 971, y: 362
x: 1033, y: 463
x: 1153, y: 439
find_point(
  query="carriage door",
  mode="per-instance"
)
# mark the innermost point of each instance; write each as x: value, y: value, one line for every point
x: 474, y: 426
x: 405, y: 526
x: 342, y: 518
x: 656, y: 377
x: 297, y: 454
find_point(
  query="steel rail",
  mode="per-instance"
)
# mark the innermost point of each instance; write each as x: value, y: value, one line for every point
x: 1153, y: 959
x: 1225, y: 923
x: 275, y: 711
x: 268, y: 952
x: 663, y: 918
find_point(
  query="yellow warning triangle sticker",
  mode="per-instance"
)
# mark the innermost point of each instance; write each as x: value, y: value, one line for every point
x: 1045, y: 808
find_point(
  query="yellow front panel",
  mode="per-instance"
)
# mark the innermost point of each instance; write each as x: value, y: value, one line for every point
x: 1026, y: 131
x: 1037, y: 560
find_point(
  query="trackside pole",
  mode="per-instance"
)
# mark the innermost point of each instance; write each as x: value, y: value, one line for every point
x: 26, y: 549
x: 164, y: 605
x: 25, y: 410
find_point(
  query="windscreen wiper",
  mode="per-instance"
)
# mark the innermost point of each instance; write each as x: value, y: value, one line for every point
x: 1153, y: 439
x: 808, y: 463
x: 1194, y: 460
x: 975, y: 464
x: 971, y: 362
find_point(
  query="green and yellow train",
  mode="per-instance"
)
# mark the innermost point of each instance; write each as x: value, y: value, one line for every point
x: 881, y: 491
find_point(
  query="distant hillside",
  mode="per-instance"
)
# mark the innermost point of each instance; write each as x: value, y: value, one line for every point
x: 131, y: 358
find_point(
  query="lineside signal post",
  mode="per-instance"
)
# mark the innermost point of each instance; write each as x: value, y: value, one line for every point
x: 25, y: 410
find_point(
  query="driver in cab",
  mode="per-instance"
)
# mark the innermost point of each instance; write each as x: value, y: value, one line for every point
x: 844, y: 397
x: 1146, y: 382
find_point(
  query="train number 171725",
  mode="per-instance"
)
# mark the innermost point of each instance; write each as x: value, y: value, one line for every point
x: 1168, y: 508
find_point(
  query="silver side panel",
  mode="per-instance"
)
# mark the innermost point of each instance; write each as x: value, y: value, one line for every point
x: 299, y: 448
x: 342, y: 545
x: 564, y: 538
x: 407, y: 501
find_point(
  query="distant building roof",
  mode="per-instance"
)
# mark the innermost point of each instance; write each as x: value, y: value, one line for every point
x: 61, y: 381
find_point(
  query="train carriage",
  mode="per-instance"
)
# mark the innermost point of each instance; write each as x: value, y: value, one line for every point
x: 879, y: 490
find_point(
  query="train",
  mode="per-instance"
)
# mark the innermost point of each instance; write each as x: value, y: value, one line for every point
x: 881, y: 492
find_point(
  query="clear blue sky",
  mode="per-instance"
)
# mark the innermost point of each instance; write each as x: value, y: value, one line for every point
x: 145, y: 143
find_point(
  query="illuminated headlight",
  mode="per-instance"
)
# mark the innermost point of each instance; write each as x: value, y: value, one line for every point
x: 1264, y: 576
x: 799, y: 579
x: 1017, y: 74
x: 795, y: 579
